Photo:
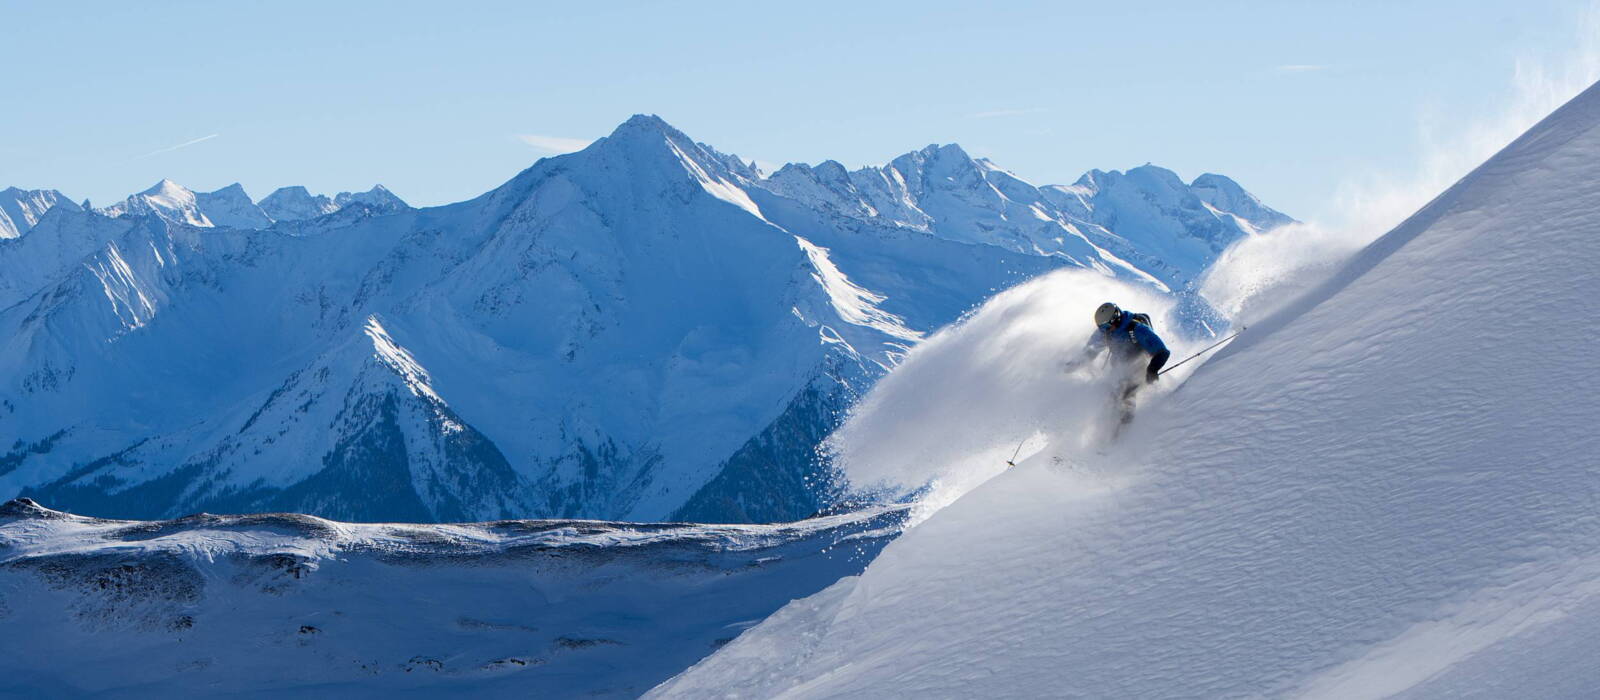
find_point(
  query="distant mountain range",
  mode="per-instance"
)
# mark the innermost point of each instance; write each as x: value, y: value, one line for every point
x: 647, y: 329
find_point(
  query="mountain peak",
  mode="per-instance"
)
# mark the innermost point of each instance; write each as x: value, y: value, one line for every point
x: 646, y: 121
x: 166, y: 199
x: 1152, y: 173
x: 379, y: 198
x: 945, y: 151
x: 290, y: 191
x: 167, y: 187
x: 294, y: 203
x: 647, y: 142
x: 947, y: 157
x: 232, y: 207
x: 1222, y: 192
x: 646, y: 127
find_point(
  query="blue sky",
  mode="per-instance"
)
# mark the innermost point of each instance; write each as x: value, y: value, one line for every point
x: 441, y: 101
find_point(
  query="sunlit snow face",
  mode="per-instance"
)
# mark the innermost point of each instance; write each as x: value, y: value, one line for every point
x: 1257, y: 273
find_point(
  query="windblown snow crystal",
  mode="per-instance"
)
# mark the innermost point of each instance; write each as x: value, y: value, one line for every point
x: 1258, y: 273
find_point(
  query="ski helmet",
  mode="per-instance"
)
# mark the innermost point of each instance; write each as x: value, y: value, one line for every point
x: 1107, y: 313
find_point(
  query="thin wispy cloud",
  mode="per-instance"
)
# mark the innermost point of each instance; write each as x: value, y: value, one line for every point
x: 554, y: 144
x: 1008, y: 113
x: 1299, y: 68
x: 170, y: 149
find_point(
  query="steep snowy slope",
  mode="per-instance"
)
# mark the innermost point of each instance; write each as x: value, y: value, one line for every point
x: 645, y: 329
x: 280, y: 604
x: 21, y: 209
x: 1387, y: 488
x: 56, y: 245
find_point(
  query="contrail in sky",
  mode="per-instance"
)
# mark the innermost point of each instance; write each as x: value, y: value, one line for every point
x: 169, y: 149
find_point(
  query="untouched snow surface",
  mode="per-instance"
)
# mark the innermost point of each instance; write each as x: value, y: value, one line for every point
x: 1387, y: 488
x: 264, y: 605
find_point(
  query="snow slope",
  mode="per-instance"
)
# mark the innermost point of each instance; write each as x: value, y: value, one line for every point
x: 1388, y: 488
x: 263, y: 605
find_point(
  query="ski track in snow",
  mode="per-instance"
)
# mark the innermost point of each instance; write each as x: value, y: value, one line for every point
x: 1387, y: 488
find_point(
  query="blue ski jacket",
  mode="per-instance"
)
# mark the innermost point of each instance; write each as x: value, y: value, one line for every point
x: 1126, y: 338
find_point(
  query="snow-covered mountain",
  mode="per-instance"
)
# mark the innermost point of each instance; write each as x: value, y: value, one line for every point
x: 379, y: 198
x: 1144, y: 223
x: 296, y: 203
x: 20, y: 210
x: 646, y: 329
x: 260, y: 605
x: 1387, y: 488
x: 230, y: 207
x: 166, y: 199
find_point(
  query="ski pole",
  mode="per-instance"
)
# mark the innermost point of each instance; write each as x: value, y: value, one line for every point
x: 1018, y: 451
x: 1202, y: 352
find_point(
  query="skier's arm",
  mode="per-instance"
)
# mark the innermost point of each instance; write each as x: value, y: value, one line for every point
x: 1152, y: 344
x: 1156, y: 361
x: 1097, y: 342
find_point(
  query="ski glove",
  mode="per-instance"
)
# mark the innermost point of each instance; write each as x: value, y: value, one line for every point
x: 1154, y: 369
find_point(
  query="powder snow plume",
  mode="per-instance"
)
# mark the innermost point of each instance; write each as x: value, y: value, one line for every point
x: 963, y: 401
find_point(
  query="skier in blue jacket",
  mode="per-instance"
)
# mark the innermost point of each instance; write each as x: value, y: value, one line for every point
x: 1129, y: 338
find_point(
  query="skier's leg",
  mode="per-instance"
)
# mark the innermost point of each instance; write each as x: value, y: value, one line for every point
x: 1129, y: 390
x: 1123, y: 401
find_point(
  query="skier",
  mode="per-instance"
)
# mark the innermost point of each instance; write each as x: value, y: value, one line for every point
x: 1129, y: 338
